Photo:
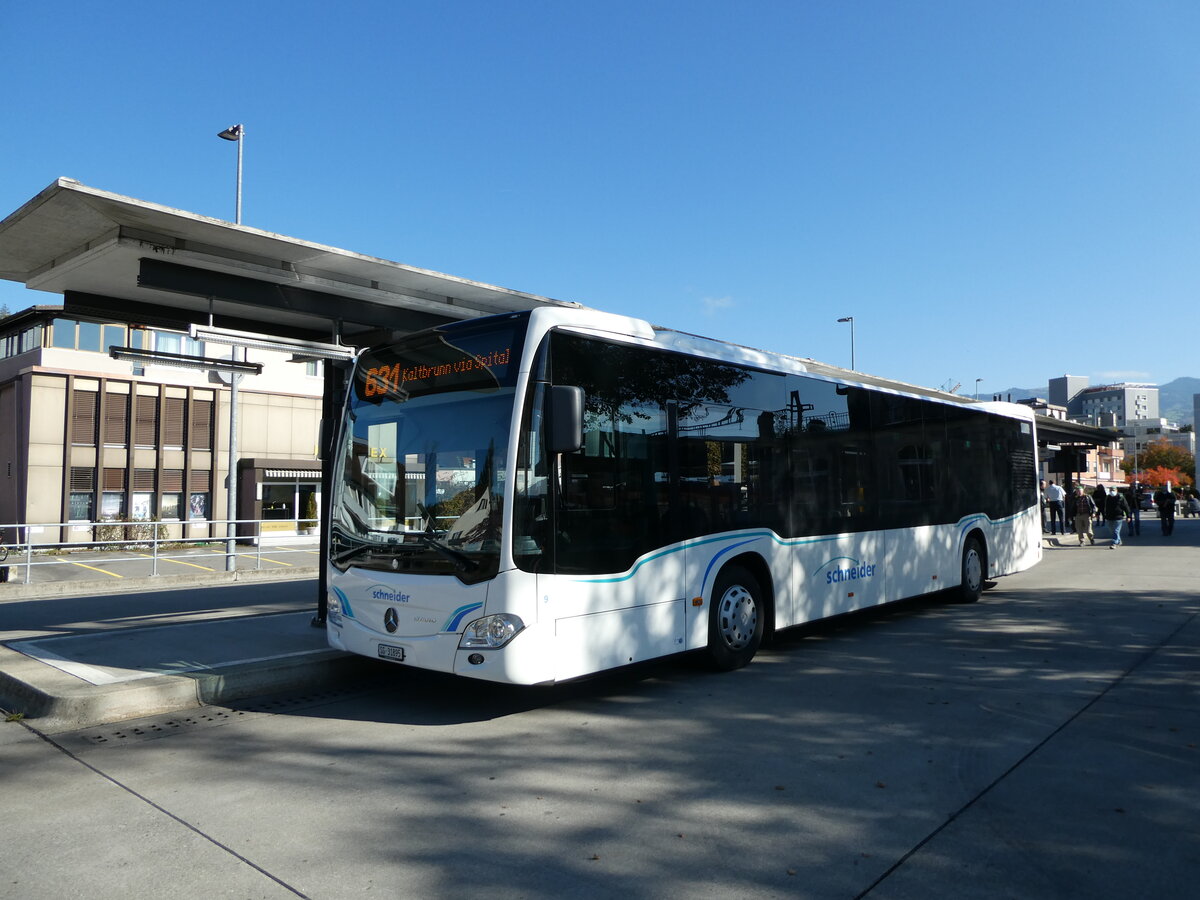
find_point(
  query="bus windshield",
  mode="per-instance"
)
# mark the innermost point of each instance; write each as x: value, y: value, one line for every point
x: 419, y: 484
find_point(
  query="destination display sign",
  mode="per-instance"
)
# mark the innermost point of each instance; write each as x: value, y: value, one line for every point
x: 457, y: 358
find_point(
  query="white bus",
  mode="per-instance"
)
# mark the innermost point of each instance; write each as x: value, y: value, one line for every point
x: 534, y: 497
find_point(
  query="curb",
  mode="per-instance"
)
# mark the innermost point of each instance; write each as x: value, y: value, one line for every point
x: 52, y: 701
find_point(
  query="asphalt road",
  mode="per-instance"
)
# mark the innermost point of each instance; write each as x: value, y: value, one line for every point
x: 1040, y: 743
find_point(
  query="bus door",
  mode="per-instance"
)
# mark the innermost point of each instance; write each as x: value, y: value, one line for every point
x: 619, y: 588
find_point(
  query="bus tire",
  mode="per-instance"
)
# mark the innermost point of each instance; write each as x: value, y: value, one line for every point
x: 736, y: 620
x: 973, y: 563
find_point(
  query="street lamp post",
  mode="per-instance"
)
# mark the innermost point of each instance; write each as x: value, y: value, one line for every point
x: 977, y: 380
x: 236, y: 133
x: 850, y: 319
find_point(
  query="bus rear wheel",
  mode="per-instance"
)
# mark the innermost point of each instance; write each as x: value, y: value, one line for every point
x: 971, y: 586
x: 735, y: 623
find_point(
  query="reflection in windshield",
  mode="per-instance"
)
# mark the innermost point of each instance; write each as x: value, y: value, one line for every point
x: 421, y: 476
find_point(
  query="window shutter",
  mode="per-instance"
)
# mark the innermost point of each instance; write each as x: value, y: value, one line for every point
x: 202, y: 412
x: 174, y: 425
x: 172, y: 481
x: 114, y: 480
x: 143, y: 480
x: 116, y: 418
x: 200, y: 480
x: 83, y: 417
x: 146, y: 423
x: 83, y: 478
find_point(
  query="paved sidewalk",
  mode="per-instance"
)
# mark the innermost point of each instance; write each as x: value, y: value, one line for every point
x: 71, y: 661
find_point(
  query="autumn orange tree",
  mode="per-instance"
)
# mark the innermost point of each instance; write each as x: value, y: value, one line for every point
x: 1161, y: 454
x: 1160, y: 475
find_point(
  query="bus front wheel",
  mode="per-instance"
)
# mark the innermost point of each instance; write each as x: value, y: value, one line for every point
x: 972, y: 571
x: 735, y: 624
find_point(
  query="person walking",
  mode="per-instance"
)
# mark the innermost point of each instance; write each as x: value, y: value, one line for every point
x: 1164, y: 499
x: 1085, y: 508
x: 1116, y: 511
x: 1135, y: 510
x: 1056, y: 499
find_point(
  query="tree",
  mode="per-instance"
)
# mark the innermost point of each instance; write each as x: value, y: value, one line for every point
x: 1161, y: 454
x: 1160, y: 475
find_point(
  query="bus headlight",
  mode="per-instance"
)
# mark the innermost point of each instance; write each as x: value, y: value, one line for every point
x: 333, y: 609
x: 491, y: 632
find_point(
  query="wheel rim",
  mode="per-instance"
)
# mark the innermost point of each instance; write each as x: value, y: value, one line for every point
x: 737, y: 617
x: 973, y: 569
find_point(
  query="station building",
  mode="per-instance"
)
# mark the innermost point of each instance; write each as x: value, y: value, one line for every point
x: 93, y: 438
x: 90, y: 437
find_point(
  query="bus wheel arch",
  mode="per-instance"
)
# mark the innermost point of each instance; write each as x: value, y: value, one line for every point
x: 974, y: 567
x: 740, y: 612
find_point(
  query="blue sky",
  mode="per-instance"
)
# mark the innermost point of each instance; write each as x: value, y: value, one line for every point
x: 1004, y: 191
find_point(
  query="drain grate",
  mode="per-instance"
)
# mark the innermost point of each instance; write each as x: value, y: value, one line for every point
x: 152, y: 728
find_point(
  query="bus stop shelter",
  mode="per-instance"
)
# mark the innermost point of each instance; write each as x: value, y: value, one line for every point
x: 119, y: 258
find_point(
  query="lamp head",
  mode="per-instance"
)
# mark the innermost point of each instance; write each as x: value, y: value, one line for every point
x: 232, y: 133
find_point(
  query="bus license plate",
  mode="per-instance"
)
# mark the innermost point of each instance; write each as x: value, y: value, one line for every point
x: 388, y: 652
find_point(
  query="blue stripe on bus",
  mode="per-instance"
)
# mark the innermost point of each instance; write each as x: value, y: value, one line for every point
x: 457, y: 616
x: 962, y: 525
x: 345, y: 601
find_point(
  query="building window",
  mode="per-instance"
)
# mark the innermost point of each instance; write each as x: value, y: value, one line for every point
x: 172, y: 497
x: 62, y: 334
x: 173, y: 342
x: 84, y: 408
x: 145, y: 426
x: 112, y: 497
x: 174, y: 421
x: 114, y: 336
x: 142, y: 499
x: 83, y: 494
x: 116, y: 419
x: 202, y: 418
x: 200, y: 498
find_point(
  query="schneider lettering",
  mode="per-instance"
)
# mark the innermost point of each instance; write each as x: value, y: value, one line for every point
x: 850, y: 573
x: 390, y: 595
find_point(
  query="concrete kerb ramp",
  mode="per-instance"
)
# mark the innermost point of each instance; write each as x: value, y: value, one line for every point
x: 124, y: 653
x: 54, y: 701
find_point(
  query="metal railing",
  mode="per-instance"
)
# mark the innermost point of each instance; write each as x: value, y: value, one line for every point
x: 28, y: 553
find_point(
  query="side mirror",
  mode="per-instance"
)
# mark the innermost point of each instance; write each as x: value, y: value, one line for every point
x: 566, y: 418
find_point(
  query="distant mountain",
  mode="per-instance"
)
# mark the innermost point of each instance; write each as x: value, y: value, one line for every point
x: 1175, y: 400
x: 1016, y: 394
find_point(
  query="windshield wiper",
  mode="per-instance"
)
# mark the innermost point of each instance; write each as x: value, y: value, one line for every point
x: 461, y: 561
x: 398, y: 546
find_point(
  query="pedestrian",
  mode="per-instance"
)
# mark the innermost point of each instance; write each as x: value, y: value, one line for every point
x: 1116, y: 511
x: 1135, y: 510
x: 1164, y: 499
x: 1056, y: 500
x: 1042, y: 502
x: 1085, y: 508
x: 1194, y: 503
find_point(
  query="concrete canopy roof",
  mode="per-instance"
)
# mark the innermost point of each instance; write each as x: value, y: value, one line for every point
x: 111, y: 255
